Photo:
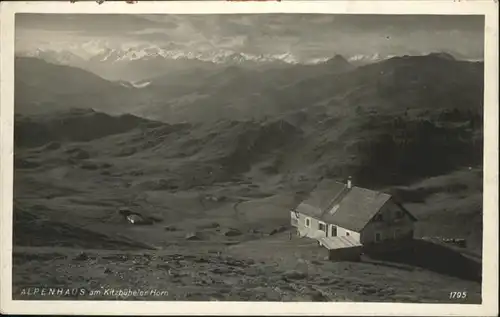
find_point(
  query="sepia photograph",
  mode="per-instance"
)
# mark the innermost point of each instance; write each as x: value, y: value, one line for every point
x: 248, y: 157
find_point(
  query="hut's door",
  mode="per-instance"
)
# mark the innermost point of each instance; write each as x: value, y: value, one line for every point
x: 334, y: 230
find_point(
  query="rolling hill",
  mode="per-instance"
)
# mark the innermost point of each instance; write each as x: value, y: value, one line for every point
x: 394, y: 85
x: 42, y: 87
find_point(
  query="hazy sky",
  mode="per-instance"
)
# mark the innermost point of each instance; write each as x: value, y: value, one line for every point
x: 303, y: 36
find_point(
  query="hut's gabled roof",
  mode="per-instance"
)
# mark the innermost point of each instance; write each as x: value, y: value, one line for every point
x: 350, y: 208
x: 320, y: 199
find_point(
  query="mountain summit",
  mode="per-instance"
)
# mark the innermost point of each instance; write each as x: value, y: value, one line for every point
x: 340, y: 63
x: 443, y: 55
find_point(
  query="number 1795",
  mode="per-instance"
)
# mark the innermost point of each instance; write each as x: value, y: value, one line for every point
x: 458, y: 295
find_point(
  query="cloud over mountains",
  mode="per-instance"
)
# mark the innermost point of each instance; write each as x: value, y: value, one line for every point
x: 289, y: 37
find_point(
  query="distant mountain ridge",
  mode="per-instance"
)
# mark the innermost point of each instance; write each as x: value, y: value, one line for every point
x: 396, y: 84
x: 235, y: 92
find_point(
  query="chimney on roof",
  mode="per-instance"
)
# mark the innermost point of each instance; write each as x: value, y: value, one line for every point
x: 349, y: 182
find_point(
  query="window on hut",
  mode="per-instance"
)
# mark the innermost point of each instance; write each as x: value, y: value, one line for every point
x: 334, y: 231
x: 397, y: 233
x: 322, y: 226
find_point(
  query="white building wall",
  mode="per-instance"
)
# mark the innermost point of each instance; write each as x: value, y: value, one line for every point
x: 345, y: 232
x: 312, y: 231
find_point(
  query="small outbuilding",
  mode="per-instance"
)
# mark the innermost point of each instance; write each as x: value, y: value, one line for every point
x: 231, y: 232
x: 342, y: 248
x: 193, y: 236
x: 135, y: 219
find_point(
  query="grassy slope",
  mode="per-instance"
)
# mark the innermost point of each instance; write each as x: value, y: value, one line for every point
x: 172, y: 173
x: 448, y: 206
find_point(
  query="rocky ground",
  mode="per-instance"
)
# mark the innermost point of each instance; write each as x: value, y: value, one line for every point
x: 270, y: 269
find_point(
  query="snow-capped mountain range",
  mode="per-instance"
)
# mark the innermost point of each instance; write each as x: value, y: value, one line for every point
x: 144, y: 61
x: 133, y: 62
x: 144, y: 52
